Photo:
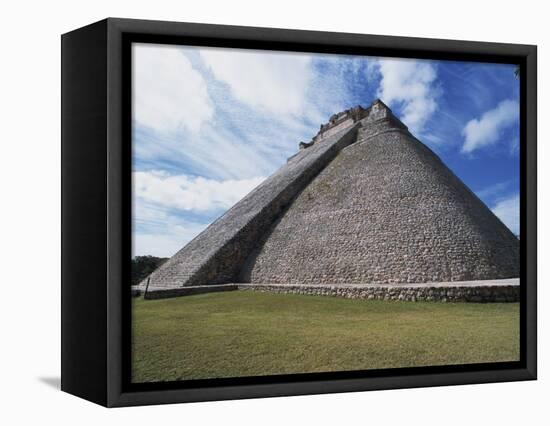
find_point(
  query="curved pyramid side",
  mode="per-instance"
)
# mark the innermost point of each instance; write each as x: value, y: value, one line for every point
x: 385, y: 210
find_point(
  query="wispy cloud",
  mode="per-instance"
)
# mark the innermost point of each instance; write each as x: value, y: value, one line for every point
x: 274, y: 81
x: 190, y: 193
x: 264, y: 104
x: 168, y: 93
x: 410, y: 85
x: 493, y: 191
x: 166, y: 241
x: 159, y: 231
x: 507, y: 209
x: 168, y: 211
x: 486, y: 130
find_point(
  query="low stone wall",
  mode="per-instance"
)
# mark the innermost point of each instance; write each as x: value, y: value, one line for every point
x: 485, y: 291
x: 187, y: 291
x: 507, y: 291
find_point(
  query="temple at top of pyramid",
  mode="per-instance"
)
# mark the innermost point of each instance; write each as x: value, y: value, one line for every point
x: 363, y: 202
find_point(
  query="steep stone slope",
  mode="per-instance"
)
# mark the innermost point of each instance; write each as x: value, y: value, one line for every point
x: 385, y: 210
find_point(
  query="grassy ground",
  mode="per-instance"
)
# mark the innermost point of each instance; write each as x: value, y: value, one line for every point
x: 245, y: 333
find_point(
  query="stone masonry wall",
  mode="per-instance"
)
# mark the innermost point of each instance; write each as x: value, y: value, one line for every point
x: 333, y: 130
x: 479, y: 294
x: 385, y: 210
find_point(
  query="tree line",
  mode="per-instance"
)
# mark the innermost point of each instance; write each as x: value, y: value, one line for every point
x: 143, y: 266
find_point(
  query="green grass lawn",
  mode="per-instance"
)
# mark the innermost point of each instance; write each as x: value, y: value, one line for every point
x: 243, y: 333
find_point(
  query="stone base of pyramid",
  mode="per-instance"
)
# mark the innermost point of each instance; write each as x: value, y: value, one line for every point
x: 485, y: 291
x: 166, y: 292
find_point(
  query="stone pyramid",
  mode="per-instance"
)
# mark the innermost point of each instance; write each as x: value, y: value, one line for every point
x: 363, y: 202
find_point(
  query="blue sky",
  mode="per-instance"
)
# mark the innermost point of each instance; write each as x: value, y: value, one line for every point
x: 210, y: 124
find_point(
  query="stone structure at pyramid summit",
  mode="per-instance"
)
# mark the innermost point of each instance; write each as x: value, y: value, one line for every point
x: 364, y: 205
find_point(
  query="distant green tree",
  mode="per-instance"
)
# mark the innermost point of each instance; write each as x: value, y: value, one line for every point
x: 516, y: 71
x: 142, y: 266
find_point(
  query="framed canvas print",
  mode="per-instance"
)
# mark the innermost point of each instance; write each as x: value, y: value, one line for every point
x: 252, y: 212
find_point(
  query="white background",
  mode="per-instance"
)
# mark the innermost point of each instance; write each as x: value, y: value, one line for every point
x: 30, y: 211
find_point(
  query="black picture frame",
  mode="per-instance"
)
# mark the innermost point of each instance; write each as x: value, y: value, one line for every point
x: 96, y: 200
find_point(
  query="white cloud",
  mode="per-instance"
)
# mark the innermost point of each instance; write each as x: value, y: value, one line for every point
x: 158, y: 232
x: 507, y: 210
x: 168, y: 93
x: 485, y: 131
x: 514, y: 146
x: 274, y: 81
x: 223, y: 154
x: 161, y: 203
x: 409, y: 84
x: 165, y: 243
x: 190, y: 193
